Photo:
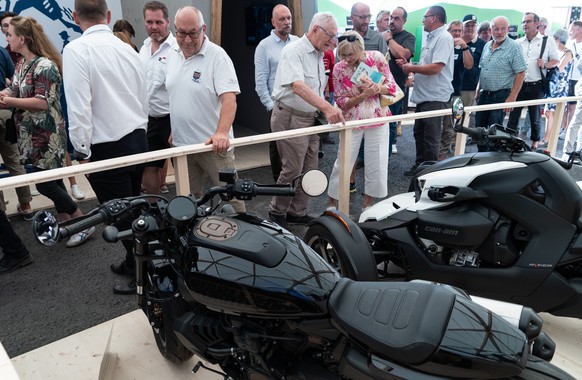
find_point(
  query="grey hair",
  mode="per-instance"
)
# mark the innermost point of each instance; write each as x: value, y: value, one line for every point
x: 322, y: 19
x: 498, y: 18
x: 200, y: 17
x: 381, y: 14
x: 561, y: 34
x: 483, y: 26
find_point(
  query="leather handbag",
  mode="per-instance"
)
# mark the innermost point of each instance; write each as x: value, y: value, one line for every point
x: 388, y: 100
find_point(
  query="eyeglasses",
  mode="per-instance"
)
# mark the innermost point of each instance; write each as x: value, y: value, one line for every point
x: 350, y: 38
x: 363, y: 18
x: 192, y: 35
x: 527, y: 21
x: 330, y: 35
x: 425, y: 16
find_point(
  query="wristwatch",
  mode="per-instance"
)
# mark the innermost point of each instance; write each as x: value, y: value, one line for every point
x: 465, y: 48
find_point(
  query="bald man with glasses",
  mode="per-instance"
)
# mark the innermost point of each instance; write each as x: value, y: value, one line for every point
x: 361, y: 16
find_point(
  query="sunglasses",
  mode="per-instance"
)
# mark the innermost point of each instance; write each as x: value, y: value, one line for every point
x: 350, y: 38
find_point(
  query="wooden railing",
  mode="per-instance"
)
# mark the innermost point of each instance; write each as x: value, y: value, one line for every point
x: 180, y: 153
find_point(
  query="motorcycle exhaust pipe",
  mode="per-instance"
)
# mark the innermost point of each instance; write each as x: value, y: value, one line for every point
x: 524, y: 318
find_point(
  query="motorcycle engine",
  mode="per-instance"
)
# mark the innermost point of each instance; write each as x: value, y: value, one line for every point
x: 470, y: 235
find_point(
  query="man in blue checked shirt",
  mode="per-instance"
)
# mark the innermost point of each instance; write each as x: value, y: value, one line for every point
x: 502, y: 72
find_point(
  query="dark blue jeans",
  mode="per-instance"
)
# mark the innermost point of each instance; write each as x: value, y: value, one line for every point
x: 122, y: 182
x: 529, y: 91
x: 427, y: 132
x: 9, y: 241
x: 395, y: 110
x: 56, y: 191
x: 486, y: 118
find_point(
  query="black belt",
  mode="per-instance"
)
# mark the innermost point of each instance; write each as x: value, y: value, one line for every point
x: 293, y: 111
x: 487, y: 92
x: 531, y: 84
x: 159, y: 117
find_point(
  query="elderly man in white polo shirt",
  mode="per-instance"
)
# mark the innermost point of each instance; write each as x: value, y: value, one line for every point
x: 202, y: 86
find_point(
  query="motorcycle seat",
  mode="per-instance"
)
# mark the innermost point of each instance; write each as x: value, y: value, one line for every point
x: 403, y: 321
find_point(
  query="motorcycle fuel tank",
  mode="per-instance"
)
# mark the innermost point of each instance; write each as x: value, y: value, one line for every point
x: 233, y: 282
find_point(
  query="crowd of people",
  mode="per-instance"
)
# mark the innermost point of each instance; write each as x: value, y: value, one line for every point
x: 180, y: 89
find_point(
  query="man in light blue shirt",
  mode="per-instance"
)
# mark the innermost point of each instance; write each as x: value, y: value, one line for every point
x: 432, y: 84
x: 267, y: 56
x: 502, y: 71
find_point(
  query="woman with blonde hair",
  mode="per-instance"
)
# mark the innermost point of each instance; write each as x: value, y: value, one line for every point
x: 40, y: 128
x: 362, y: 101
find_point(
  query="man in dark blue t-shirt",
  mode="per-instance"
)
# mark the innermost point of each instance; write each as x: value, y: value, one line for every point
x: 463, y: 60
x: 471, y: 76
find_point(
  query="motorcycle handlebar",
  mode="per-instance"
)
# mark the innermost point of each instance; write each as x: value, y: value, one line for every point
x: 282, y: 190
x: 106, y: 213
x: 566, y: 165
x: 88, y: 222
x: 475, y: 133
x: 110, y: 211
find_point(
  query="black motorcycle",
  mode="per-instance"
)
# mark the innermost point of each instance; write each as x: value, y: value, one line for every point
x: 504, y: 223
x: 247, y: 295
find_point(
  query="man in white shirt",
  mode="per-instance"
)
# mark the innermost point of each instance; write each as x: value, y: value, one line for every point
x: 531, y: 47
x: 154, y: 54
x: 267, y: 56
x: 107, y: 106
x: 202, y: 87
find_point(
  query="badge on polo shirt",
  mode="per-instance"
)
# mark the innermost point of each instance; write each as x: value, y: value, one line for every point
x: 196, y: 76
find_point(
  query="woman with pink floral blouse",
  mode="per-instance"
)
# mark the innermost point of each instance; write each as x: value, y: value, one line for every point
x: 360, y: 102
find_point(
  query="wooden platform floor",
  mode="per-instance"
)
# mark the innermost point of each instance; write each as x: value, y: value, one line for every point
x: 130, y: 349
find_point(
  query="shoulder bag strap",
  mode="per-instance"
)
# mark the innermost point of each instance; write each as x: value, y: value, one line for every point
x: 544, y: 41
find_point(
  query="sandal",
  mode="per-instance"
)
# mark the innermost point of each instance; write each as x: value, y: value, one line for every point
x: 164, y: 189
x: 27, y: 215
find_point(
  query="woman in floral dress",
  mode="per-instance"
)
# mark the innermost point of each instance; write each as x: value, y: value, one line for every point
x: 40, y: 129
x: 559, y: 79
x: 360, y: 102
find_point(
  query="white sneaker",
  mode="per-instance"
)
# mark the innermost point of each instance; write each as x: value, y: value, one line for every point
x: 77, y: 192
x: 394, y: 149
x: 80, y: 238
x: 34, y: 192
x: 562, y: 135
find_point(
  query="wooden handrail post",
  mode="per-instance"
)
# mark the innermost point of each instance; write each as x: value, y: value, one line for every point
x: 181, y: 175
x: 344, y: 158
x: 557, y: 125
x: 461, y: 138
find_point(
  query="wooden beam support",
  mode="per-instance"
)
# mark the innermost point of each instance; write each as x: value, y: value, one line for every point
x: 297, y: 12
x: 216, y: 26
x: 344, y: 158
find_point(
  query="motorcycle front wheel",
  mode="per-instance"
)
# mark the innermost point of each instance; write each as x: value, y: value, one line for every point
x: 161, y: 308
x: 329, y: 246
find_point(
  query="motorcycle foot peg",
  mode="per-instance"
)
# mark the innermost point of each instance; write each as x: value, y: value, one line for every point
x: 530, y: 323
x: 544, y: 347
x: 201, y: 365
